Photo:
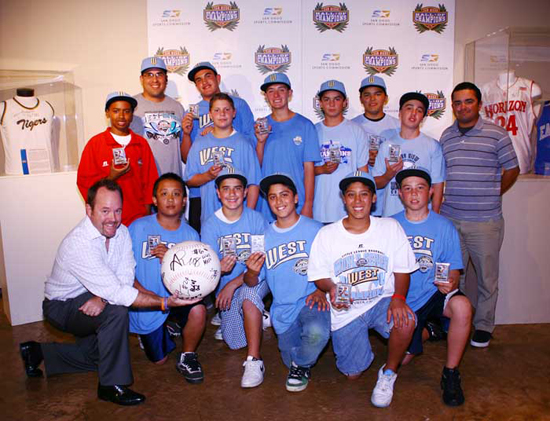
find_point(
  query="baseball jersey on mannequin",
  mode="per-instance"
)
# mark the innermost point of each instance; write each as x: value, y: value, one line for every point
x: 508, y: 102
x: 26, y: 130
x: 542, y: 162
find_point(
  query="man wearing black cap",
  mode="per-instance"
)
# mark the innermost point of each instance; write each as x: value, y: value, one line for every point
x: 433, y: 292
x: 369, y: 260
x: 409, y: 148
x: 121, y: 155
x: 158, y: 117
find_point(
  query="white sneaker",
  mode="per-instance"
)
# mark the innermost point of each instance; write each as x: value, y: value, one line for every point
x: 216, y: 320
x: 266, y: 320
x: 218, y: 335
x: 383, y: 391
x: 253, y: 372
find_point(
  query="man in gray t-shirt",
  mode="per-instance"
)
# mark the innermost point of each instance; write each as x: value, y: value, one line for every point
x: 158, y: 117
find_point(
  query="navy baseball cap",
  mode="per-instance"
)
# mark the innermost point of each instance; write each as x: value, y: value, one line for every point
x: 198, y: 67
x: 120, y: 96
x: 277, y: 178
x: 360, y: 176
x: 153, y: 63
x: 230, y: 172
x: 417, y: 96
x: 413, y: 172
x: 332, y: 85
x: 274, y: 78
x: 373, y: 81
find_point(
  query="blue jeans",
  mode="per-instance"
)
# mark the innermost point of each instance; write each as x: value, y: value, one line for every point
x: 306, y: 338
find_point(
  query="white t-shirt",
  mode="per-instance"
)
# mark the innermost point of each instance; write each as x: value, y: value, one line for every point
x: 367, y: 261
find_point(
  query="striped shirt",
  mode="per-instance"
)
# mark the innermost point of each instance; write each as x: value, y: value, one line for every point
x: 474, y: 170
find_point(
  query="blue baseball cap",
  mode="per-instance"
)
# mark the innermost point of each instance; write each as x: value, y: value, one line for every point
x: 120, y: 96
x: 274, y: 78
x: 200, y: 66
x: 360, y: 176
x: 413, y: 172
x: 153, y: 63
x: 373, y: 81
x: 277, y: 178
x: 332, y: 85
x: 230, y: 172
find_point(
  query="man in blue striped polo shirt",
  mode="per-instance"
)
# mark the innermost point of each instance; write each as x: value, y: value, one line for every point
x: 481, y: 166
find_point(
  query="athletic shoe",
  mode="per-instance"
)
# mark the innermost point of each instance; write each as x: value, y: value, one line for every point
x: 481, y: 339
x: 266, y: 321
x: 298, y: 378
x: 190, y: 367
x: 450, y: 384
x: 253, y: 372
x: 218, y: 335
x: 435, y: 331
x: 216, y: 320
x: 383, y: 391
x: 173, y: 328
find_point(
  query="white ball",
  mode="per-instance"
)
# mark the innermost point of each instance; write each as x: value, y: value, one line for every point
x: 191, y: 270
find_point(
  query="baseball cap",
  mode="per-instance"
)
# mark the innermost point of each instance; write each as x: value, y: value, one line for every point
x: 230, y: 172
x: 360, y: 176
x: 153, y: 63
x: 200, y: 66
x: 119, y: 96
x: 332, y: 85
x: 373, y: 81
x: 274, y: 78
x: 277, y: 178
x: 415, y: 95
x: 413, y: 172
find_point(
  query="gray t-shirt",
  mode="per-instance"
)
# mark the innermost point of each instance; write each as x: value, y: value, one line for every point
x: 160, y: 124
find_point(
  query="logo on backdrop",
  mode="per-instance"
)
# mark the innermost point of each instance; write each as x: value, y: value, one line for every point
x: 438, y: 103
x: 329, y: 61
x: 224, y: 60
x: 170, y: 17
x: 273, y: 15
x: 430, y: 18
x: 381, y: 18
x: 272, y: 59
x: 429, y: 62
x: 177, y: 61
x: 222, y: 16
x: 331, y: 17
x: 380, y: 61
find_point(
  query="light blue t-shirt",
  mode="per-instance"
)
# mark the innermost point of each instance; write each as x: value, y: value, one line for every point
x: 352, y: 142
x: 217, y: 227
x: 144, y: 321
x: 433, y: 240
x: 287, y: 257
x: 237, y: 152
x: 422, y: 151
x: 289, y: 145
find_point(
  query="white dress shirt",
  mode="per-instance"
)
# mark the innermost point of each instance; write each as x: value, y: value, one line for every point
x: 83, y: 264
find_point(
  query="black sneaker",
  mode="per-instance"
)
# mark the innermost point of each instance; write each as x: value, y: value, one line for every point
x: 190, y: 367
x: 173, y: 328
x: 298, y: 378
x: 450, y: 384
x: 481, y: 339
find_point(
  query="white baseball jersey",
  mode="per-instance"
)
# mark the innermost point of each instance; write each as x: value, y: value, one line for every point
x: 27, y: 136
x: 512, y: 109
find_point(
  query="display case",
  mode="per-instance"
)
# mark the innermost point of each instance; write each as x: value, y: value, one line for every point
x: 512, y: 69
x: 40, y: 122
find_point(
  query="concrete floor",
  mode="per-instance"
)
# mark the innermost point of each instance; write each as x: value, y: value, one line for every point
x: 508, y: 381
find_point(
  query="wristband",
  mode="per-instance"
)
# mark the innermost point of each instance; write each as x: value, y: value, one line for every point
x: 166, y: 304
x: 401, y: 297
x: 162, y: 305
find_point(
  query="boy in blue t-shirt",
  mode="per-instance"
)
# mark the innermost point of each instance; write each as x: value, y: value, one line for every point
x: 165, y: 228
x: 300, y: 312
x: 231, y: 231
x: 434, y: 240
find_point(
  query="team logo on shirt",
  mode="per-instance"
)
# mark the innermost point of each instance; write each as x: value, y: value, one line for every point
x: 297, y: 140
x: 285, y: 253
x: 221, y: 16
x: 380, y: 61
x: 31, y: 124
x: 422, y: 250
x: 272, y: 59
x: 438, y: 104
x: 430, y: 18
x: 177, y: 61
x: 207, y: 155
x: 331, y: 17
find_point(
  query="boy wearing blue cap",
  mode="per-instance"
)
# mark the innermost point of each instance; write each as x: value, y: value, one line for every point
x: 290, y: 145
x: 158, y: 117
x: 364, y: 264
x: 299, y: 311
x: 344, y: 148
x: 434, y: 286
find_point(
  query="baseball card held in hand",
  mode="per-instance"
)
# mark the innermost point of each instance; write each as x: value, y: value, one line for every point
x: 229, y: 247
x: 343, y: 293
x: 152, y: 242
x: 119, y: 156
x: 442, y: 272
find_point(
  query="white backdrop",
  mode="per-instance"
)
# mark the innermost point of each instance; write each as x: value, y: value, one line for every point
x: 410, y: 45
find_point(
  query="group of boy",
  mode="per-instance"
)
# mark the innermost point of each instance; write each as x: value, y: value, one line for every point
x: 334, y: 270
